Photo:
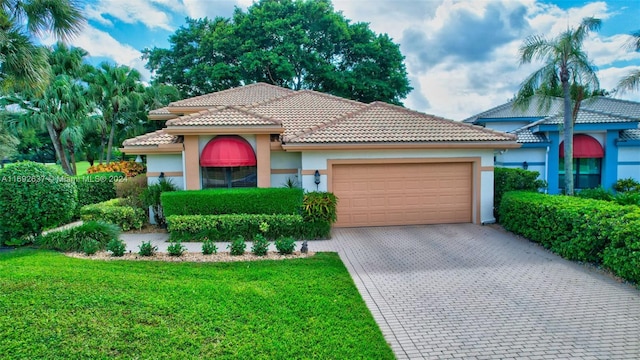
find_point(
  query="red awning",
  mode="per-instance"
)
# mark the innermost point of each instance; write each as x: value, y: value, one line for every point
x: 584, y: 146
x: 227, y: 151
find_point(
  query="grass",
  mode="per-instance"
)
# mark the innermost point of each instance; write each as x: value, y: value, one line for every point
x: 53, y: 306
x: 81, y: 167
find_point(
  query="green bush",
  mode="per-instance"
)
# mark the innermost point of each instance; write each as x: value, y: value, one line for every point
x: 34, y: 197
x: 260, y: 245
x: 91, y: 246
x: 627, y: 185
x: 96, y: 188
x: 225, y: 227
x: 232, y: 201
x: 209, y: 247
x: 113, y: 211
x: 623, y: 255
x: 131, y: 190
x: 319, y: 205
x: 76, y: 238
x: 577, y: 229
x: 146, y: 249
x: 285, y: 245
x: 117, y: 247
x: 176, y: 249
x: 237, y: 246
x: 508, y: 179
x: 314, y: 230
x: 598, y: 193
x: 151, y: 198
x: 627, y: 198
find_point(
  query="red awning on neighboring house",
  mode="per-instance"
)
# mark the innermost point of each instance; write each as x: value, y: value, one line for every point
x: 584, y: 146
x: 227, y: 151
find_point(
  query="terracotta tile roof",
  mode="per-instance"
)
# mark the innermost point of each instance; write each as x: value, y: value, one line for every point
x: 381, y: 122
x: 586, y: 116
x: 152, y: 139
x: 537, y: 108
x: 305, y: 109
x: 161, y: 111
x: 630, y: 135
x: 243, y: 95
x: 222, y: 116
x: 525, y: 135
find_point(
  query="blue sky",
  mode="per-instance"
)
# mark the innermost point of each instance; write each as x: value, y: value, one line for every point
x: 461, y: 55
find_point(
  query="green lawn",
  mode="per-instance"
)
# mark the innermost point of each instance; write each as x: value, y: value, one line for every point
x: 81, y: 167
x: 52, y: 306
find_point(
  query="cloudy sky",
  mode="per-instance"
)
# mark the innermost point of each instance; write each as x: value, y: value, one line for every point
x: 461, y: 55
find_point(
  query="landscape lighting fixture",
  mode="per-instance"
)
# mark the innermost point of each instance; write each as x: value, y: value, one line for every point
x: 316, y: 177
x: 525, y: 165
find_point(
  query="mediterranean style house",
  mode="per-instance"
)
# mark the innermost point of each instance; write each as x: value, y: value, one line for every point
x: 606, y: 140
x: 388, y: 165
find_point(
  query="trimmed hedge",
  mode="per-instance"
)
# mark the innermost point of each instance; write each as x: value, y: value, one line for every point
x: 98, y: 187
x: 508, y: 179
x: 232, y: 201
x: 75, y: 239
x: 225, y: 227
x: 577, y: 229
x: 113, y: 211
x: 623, y: 256
x: 33, y: 197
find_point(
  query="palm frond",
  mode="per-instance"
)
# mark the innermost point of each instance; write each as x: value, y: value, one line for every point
x: 630, y: 83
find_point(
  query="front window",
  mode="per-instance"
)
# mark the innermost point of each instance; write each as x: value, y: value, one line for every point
x: 229, y: 177
x: 586, y: 173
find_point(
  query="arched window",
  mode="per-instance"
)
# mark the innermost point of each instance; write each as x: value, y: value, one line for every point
x: 228, y: 162
x: 587, y: 162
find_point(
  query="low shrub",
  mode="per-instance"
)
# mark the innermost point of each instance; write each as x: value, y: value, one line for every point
x: 146, y: 249
x: 113, y: 211
x: 627, y: 198
x: 209, y: 247
x: 34, y: 197
x: 117, y: 247
x: 237, y: 246
x: 319, y: 205
x: 96, y: 188
x: 509, y: 179
x: 598, y: 193
x: 575, y: 228
x: 128, y: 168
x: 131, y: 190
x: 314, y: 230
x: 285, y: 245
x: 225, y: 227
x: 176, y: 249
x: 623, y: 255
x: 232, y: 201
x: 76, y: 238
x: 627, y: 185
x: 91, y: 246
x: 260, y: 245
x: 151, y: 198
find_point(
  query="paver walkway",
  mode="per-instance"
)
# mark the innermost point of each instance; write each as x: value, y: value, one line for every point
x: 476, y: 292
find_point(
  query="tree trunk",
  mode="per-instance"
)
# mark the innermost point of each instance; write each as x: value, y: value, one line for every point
x: 72, y: 156
x: 57, y: 146
x: 568, y: 135
x: 110, y: 144
x: 103, y: 142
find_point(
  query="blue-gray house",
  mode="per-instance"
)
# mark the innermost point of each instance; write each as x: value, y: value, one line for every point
x: 606, y: 140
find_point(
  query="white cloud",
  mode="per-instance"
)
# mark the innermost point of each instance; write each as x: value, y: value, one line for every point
x: 146, y: 12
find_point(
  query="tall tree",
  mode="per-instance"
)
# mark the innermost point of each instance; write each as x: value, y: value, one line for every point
x: 299, y: 44
x: 632, y: 80
x: 118, y: 93
x: 23, y: 64
x: 565, y: 63
x: 61, y: 108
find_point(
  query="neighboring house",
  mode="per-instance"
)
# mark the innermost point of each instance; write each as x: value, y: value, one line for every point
x: 388, y: 165
x: 606, y: 142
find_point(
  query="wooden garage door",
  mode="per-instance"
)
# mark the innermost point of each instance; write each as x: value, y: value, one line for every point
x: 402, y: 194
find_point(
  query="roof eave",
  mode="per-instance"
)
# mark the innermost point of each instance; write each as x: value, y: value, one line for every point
x: 214, y: 130
x: 162, y: 116
x: 153, y: 149
x: 404, y: 145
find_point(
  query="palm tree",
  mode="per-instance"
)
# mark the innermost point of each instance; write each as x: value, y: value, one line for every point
x: 24, y: 65
x: 118, y: 93
x: 565, y: 63
x: 632, y: 80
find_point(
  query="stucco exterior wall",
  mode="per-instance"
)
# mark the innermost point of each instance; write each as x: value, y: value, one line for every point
x: 505, y: 125
x: 536, y: 159
x: 166, y: 163
x: 284, y: 166
x: 317, y: 160
x: 629, y: 162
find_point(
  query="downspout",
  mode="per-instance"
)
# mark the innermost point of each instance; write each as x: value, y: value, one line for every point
x: 184, y: 172
x: 546, y: 169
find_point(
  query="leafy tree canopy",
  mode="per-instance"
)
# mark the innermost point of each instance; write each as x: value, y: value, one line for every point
x: 299, y: 44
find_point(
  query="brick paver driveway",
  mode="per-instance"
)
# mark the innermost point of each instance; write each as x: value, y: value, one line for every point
x: 474, y: 292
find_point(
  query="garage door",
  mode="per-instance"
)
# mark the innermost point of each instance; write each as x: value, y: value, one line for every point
x: 402, y: 194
